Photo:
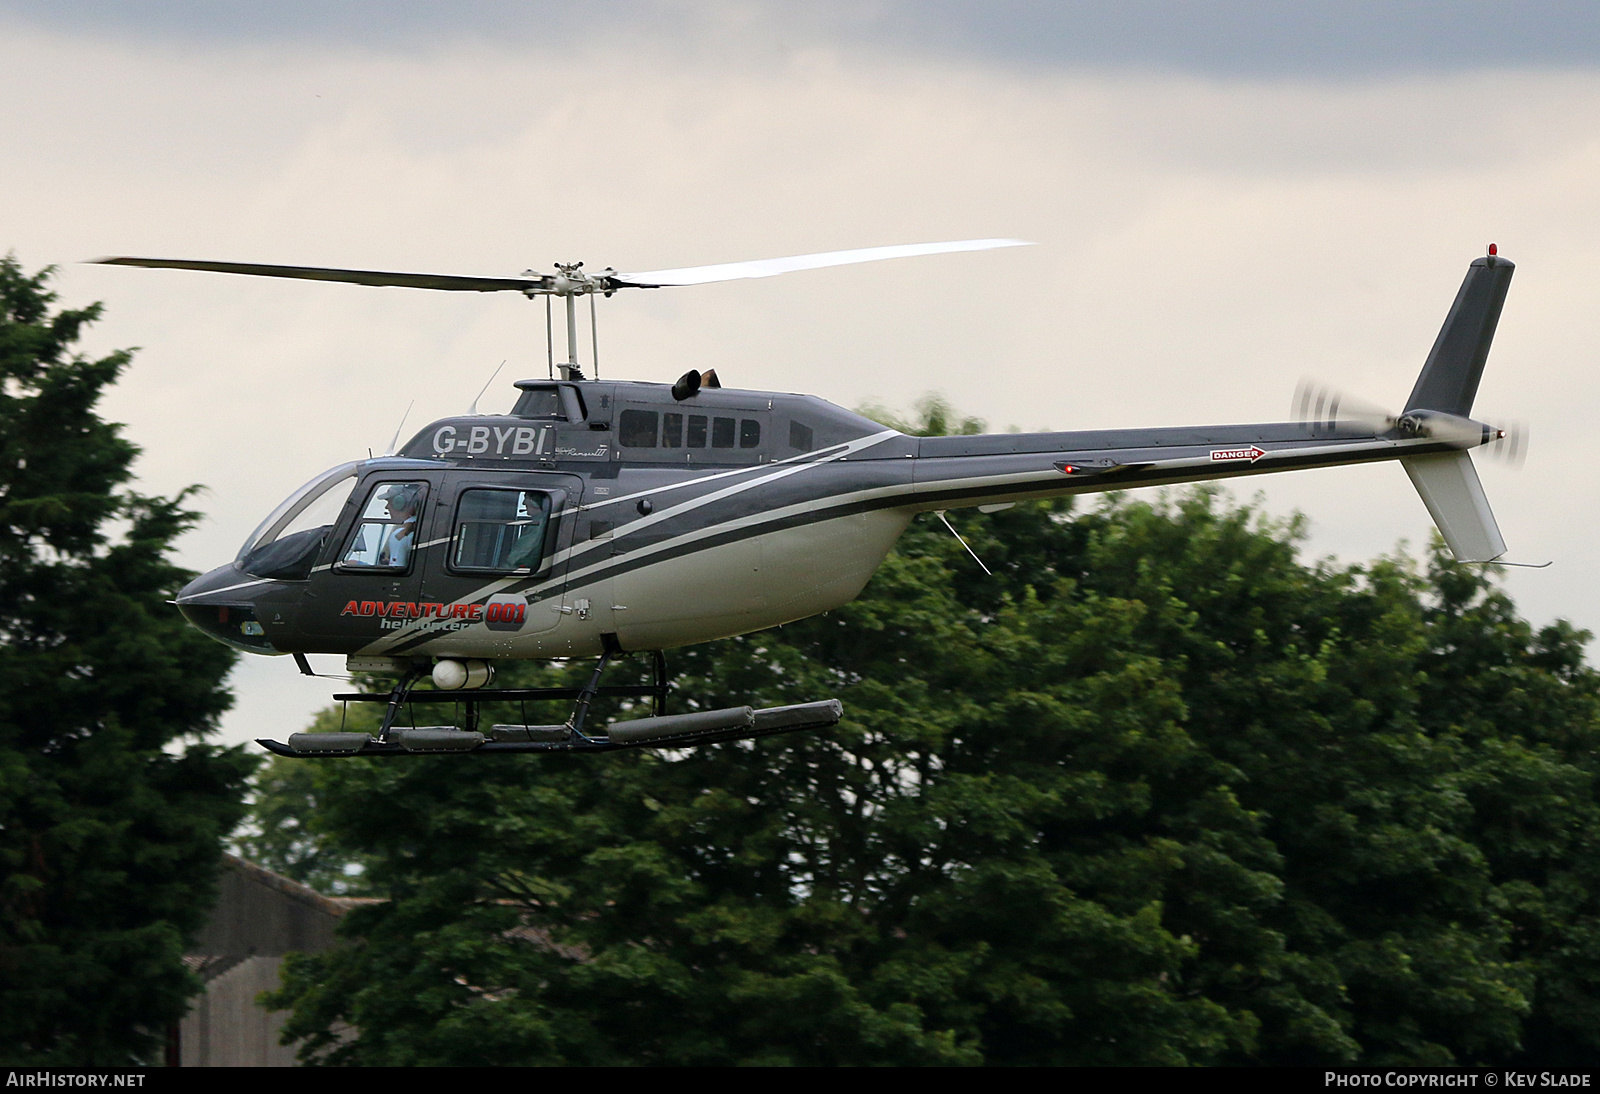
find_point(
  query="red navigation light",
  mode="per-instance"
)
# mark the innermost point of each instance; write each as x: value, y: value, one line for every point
x: 1493, y: 249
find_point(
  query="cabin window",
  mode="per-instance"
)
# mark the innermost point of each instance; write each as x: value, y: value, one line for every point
x: 672, y: 431
x: 800, y: 436
x: 500, y: 531
x: 638, y: 429
x: 387, y: 531
x: 720, y: 432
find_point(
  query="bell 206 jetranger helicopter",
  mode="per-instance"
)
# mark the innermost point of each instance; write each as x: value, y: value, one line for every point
x: 598, y: 518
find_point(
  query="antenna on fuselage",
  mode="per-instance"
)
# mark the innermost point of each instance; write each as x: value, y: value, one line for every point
x: 492, y: 375
x: 940, y: 514
x: 395, y: 440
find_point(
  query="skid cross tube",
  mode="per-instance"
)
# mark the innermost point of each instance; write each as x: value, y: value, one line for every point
x: 404, y: 693
x: 491, y: 695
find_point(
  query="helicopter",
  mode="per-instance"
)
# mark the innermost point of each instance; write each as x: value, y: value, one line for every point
x: 601, y: 518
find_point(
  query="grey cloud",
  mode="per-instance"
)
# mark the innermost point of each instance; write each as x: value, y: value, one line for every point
x: 1250, y: 38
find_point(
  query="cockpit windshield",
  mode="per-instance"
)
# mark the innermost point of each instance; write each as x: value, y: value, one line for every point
x: 315, y: 504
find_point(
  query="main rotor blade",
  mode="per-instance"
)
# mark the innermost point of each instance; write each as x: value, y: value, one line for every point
x: 323, y: 273
x: 767, y: 267
x: 692, y: 275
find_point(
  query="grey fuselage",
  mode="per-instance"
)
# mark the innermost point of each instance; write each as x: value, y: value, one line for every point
x: 670, y: 522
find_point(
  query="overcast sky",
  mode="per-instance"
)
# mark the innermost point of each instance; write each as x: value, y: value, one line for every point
x: 1226, y: 197
x: 1261, y: 38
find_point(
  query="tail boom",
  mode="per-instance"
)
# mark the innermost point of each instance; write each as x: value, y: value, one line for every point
x: 1431, y: 439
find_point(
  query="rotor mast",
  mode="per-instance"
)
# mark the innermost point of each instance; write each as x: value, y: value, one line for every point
x: 569, y: 283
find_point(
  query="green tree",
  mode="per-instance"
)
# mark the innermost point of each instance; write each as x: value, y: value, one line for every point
x: 283, y: 831
x: 110, y: 832
x: 1155, y: 791
x: 1304, y: 682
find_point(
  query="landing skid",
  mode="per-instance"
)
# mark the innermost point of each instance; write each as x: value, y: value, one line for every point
x: 662, y: 730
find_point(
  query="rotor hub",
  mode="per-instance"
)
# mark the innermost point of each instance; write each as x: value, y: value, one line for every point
x: 569, y: 280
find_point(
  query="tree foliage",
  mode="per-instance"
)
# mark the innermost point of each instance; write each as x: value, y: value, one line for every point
x: 1156, y: 792
x: 110, y: 834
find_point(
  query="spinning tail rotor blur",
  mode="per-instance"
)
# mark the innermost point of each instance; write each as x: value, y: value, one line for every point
x: 1328, y: 409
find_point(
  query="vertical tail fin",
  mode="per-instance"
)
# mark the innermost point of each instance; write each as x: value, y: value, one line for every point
x: 1449, y: 380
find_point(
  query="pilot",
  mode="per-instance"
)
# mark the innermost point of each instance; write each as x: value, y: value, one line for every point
x: 404, y: 501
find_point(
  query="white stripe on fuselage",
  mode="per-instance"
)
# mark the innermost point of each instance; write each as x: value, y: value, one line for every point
x: 224, y: 589
x: 780, y: 471
x: 574, y: 578
x: 774, y: 471
x: 820, y: 456
x: 909, y: 491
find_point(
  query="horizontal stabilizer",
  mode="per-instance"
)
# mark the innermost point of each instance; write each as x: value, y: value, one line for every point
x: 1450, y: 489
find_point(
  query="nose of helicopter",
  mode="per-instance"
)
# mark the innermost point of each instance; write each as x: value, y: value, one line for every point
x: 221, y: 604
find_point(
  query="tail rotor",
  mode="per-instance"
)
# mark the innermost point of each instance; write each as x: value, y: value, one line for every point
x: 1326, y: 408
x: 1510, y: 445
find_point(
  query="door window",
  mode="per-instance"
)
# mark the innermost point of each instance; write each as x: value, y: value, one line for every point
x: 387, y: 530
x: 500, y: 531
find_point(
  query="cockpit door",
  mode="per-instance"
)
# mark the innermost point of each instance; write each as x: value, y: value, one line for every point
x: 501, y: 549
x: 368, y: 580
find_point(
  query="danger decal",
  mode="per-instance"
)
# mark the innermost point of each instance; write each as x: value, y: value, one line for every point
x: 1231, y: 455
